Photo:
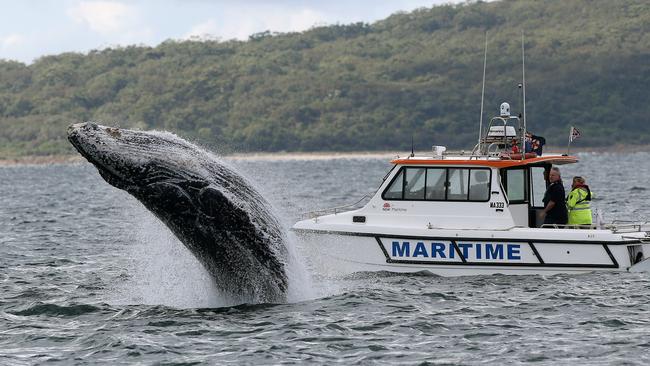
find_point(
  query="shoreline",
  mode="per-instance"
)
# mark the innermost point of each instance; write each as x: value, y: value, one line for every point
x: 315, y: 155
x: 42, y: 160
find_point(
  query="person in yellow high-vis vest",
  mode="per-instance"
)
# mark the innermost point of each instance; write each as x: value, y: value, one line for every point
x: 579, y: 203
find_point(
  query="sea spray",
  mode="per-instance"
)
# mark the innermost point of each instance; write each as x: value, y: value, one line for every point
x: 161, y: 271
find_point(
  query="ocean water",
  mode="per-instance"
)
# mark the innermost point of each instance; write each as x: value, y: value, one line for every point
x: 88, y: 276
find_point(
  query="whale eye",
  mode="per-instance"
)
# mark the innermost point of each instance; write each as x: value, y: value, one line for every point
x: 113, y: 132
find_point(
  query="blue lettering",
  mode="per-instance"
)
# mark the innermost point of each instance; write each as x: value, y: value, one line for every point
x: 401, y: 250
x: 493, y: 251
x: 437, y: 250
x: 513, y: 251
x: 420, y: 250
x: 465, y: 248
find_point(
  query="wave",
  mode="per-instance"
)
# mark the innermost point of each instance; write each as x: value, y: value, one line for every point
x: 57, y: 310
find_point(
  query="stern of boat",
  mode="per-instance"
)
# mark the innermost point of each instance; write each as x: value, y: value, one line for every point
x: 640, y: 253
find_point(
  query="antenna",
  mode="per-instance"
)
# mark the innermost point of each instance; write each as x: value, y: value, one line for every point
x: 521, y: 107
x: 523, y: 82
x: 480, y: 123
x: 412, y: 147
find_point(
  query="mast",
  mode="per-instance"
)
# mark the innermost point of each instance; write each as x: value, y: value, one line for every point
x: 523, y: 82
x: 480, y: 123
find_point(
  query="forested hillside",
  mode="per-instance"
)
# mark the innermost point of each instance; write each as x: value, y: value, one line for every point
x: 354, y: 87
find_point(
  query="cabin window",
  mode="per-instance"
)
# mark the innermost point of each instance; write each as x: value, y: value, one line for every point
x: 394, y: 191
x: 538, y: 185
x: 515, y: 185
x: 414, y: 184
x: 457, y: 184
x: 440, y: 184
x: 436, y: 184
x: 479, y: 185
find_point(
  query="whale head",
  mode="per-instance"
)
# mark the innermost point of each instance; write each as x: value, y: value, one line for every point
x: 215, y: 212
x: 132, y: 160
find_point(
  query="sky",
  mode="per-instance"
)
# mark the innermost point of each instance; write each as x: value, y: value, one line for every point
x: 30, y: 29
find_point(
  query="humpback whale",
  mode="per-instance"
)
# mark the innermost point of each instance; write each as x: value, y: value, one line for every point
x: 214, y: 212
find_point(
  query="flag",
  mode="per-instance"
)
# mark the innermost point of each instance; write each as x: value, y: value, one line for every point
x: 573, y: 134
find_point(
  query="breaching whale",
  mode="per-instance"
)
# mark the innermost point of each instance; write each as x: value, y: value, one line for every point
x: 214, y: 211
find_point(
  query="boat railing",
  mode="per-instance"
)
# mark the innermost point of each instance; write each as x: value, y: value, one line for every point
x: 616, y: 226
x: 471, y: 155
x: 625, y: 226
x: 501, y: 143
x: 567, y: 226
x: 337, y: 209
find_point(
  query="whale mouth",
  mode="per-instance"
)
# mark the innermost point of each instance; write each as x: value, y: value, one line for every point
x: 76, y: 138
x: 87, y: 138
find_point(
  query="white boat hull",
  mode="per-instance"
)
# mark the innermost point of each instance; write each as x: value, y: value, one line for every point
x: 337, y: 254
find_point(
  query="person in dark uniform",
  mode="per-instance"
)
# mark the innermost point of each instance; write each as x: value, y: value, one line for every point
x: 555, y: 211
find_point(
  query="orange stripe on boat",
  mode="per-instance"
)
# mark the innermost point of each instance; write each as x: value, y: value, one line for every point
x: 503, y: 163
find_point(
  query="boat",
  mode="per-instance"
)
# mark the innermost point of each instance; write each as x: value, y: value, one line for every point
x: 474, y: 212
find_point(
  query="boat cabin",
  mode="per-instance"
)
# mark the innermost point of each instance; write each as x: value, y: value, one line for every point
x: 471, y: 188
x: 500, y: 184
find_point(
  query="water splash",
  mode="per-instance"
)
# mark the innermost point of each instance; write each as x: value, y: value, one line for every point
x: 161, y: 271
